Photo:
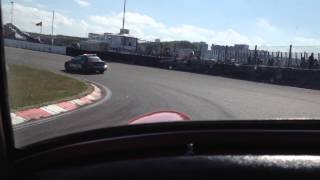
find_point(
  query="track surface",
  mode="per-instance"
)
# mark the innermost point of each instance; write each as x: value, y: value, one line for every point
x: 137, y: 90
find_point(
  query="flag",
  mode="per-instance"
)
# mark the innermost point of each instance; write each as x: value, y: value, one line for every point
x: 39, y: 24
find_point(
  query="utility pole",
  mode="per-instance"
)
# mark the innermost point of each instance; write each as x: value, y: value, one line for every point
x: 52, y: 39
x: 124, y: 14
x: 12, y: 9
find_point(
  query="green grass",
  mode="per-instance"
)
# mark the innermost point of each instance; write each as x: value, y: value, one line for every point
x: 29, y: 87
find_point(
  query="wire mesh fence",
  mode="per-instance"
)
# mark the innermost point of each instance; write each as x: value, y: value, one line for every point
x: 280, y: 56
x: 277, y: 56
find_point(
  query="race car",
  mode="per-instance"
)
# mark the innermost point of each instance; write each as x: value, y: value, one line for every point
x: 87, y: 63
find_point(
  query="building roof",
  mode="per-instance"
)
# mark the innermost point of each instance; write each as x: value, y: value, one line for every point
x: 124, y: 35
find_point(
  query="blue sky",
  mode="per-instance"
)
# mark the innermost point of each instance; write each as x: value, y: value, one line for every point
x: 272, y: 22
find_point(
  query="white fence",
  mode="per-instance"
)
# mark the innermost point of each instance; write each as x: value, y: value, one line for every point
x: 35, y: 46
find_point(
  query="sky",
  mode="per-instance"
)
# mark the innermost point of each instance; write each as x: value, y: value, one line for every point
x: 227, y: 22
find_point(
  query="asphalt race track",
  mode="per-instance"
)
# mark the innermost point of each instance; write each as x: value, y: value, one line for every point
x: 137, y: 90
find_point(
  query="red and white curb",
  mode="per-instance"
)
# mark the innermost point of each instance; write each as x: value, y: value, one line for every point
x: 55, y: 109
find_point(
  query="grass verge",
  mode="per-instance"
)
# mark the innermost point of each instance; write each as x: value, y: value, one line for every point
x: 29, y: 87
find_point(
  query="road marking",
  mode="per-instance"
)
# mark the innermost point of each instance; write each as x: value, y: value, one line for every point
x: 92, y: 98
x: 53, y: 109
x: 85, y: 100
x: 69, y: 106
x: 78, y: 102
x: 103, y: 99
x: 16, y: 119
x: 33, y: 114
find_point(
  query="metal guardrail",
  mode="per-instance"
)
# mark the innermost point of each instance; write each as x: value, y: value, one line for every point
x: 35, y: 46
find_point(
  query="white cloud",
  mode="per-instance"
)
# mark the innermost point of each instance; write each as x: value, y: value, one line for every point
x: 147, y: 28
x: 28, y: 1
x: 82, y: 3
x: 40, y: 6
x: 266, y: 25
x: 25, y: 17
x: 142, y: 26
x: 302, y: 41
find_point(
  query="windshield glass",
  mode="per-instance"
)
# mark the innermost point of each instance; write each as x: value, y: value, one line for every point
x: 94, y: 59
x: 166, y: 61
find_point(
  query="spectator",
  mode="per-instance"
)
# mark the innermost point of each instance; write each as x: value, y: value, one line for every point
x: 303, y: 62
x: 249, y: 60
x: 271, y: 62
x: 311, y: 61
x: 259, y: 61
x: 316, y: 64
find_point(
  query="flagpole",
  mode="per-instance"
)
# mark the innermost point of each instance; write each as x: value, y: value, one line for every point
x: 52, y: 40
x: 12, y: 9
x: 40, y: 24
x: 124, y: 13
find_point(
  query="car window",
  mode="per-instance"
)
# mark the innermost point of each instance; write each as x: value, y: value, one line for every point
x: 82, y: 59
x: 75, y: 60
x: 158, y: 61
x: 94, y: 59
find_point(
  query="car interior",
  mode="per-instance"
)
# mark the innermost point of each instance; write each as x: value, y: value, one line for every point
x: 262, y: 149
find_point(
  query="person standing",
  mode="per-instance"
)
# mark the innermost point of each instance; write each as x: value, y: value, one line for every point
x: 311, y: 61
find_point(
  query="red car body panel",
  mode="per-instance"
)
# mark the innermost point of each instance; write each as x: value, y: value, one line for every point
x: 161, y: 116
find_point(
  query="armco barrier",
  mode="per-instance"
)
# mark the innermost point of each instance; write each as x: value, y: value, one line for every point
x: 286, y: 76
x: 35, y: 46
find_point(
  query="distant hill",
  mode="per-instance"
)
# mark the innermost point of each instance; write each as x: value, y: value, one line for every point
x: 13, y: 32
x: 60, y: 40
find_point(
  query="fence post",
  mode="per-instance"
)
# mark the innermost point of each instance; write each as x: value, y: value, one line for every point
x: 278, y: 56
x: 281, y: 58
x: 160, y: 53
x: 296, y: 59
x: 290, y: 56
x: 266, y: 57
x: 286, y: 58
x: 226, y: 54
x: 256, y: 54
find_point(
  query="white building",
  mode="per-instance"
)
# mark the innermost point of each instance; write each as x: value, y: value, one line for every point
x: 94, y: 45
x: 184, y: 54
x: 116, y: 42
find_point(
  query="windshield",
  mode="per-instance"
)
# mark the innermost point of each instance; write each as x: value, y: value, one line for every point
x: 166, y: 61
x: 94, y: 59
